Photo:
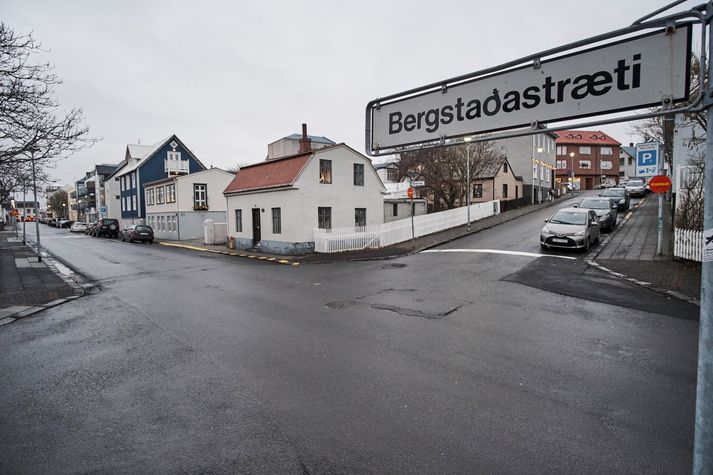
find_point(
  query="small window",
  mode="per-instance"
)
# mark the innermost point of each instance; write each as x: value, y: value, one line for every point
x: 133, y: 203
x: 324, y: 217
x: 358, y: 174
x: 200, y: 196
x: 585, y: 150
x: 585, y: 164
x: 359, y: 217
x: 606, y: 151
x: 394, y: 209
x: 561, y: 164
x: 238, y: 220
x: 561, y: 150
x: 133, y: 179
x: 505, y: 167
x: 478, y: 190
x: 392, y: 174
x: 325, y: 171
x: 276, y: 221
x: 171, y: 193
x: 505, y: 190
x: 159, y: 195
x: 149, y: 197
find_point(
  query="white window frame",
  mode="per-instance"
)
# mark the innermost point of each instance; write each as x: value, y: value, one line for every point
x: 160, y: 195
x: 588, y: 165
x: 562, y: 150
x: 200, y: 195
x: 133, y: 203
x: 606, y: 151
x: 171, y: 193
x: 585, y: 150
x: 561, y: 164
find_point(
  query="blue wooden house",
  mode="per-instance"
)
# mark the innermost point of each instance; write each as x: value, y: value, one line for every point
x: 144, y: 164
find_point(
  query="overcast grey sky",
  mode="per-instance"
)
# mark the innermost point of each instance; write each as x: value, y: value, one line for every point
x: 229, y: 77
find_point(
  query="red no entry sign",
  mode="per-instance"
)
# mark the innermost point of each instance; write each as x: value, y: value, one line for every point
x: 660, y: 184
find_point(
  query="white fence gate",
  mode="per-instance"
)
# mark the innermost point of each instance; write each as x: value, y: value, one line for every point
x: 382, y: 235
x: 688, y: 244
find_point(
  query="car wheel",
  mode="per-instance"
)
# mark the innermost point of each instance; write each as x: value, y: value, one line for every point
x: 543, y: 246
x: 150, y: 242
x: 586, y: 245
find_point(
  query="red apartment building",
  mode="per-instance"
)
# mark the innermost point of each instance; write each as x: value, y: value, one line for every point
x: 586, y: 158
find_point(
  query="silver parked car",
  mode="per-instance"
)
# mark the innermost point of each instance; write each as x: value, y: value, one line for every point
x: 571, y: 228
x: 636, y: 186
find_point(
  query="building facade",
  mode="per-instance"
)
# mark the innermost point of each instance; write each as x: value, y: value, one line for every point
x: 276, y: 205
x: 141, y: 165
x: 498, y: 182
x: 587, y: 159
x: 627, y: 162
x: 177, y: 207
x: 533, y: 159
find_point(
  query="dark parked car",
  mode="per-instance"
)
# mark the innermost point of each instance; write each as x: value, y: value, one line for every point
x: 107, y: 227
x: 64, y: 223
x: 605, y: 209
x: 137, y: 232
x: 52, y: 222
x: 571, y: 228
x: 619, y: 196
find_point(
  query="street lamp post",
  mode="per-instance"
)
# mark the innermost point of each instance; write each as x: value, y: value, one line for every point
x: 64, y: 205
x: 24, y: 209
x: 37, y: 221
x: 467, y: 179
x: 571, y: 172
x: 539, y: 175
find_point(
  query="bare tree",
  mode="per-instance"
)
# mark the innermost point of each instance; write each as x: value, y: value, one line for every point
x: 31, y: 122
x: 444, y: 170
x: 55, y: 202
x: 689, y: 213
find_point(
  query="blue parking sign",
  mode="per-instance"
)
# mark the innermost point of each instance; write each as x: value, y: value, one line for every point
x: 647, y: 159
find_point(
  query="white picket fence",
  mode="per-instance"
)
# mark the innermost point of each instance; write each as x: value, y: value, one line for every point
x: 688, y: 244
x: 386, y: 234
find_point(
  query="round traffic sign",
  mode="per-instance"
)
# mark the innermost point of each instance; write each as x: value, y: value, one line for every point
x: 660, y: 184
x: 409, y: 192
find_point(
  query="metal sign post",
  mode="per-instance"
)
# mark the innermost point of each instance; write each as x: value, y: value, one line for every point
x: 703, y: 441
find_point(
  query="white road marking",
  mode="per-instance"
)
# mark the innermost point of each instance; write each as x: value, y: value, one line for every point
x: 496, y: 251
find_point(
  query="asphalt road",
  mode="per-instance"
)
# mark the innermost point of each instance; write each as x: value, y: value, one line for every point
x: 440, y: 362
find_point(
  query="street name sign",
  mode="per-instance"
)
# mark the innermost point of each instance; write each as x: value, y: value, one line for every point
x: 660, y: 184
x: 632, y: 73
x: 647, y: 159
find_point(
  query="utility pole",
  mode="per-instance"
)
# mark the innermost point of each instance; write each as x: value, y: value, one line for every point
x: 37, y: 221
x: 703, y: 440
x: 24, y: 209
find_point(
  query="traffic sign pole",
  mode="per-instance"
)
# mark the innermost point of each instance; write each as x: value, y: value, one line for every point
x: 703, y: 438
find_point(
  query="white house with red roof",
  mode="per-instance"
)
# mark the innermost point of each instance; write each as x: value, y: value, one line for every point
x: 275, y: 205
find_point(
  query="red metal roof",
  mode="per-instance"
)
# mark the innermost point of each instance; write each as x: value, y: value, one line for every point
x: 584, y: 137
x: 272, y: 174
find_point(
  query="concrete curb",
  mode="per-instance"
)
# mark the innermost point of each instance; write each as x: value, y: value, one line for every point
x: 16, y: 312
x: 591, y: 261
x: 234, y: 254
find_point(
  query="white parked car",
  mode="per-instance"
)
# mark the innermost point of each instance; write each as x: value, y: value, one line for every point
x: 78, y: 227
x: 571, y: 228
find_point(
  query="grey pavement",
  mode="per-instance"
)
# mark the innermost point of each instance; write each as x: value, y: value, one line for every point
x: 28, y: 286
x: 631, y: 252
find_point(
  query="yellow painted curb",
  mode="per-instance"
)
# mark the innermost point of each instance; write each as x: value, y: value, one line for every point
x: 228, y: 253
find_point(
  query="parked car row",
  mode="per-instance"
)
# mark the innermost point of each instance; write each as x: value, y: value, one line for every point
x: 107, y: 227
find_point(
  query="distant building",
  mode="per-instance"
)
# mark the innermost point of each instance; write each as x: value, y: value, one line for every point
x: 292, y: 144
x: 627, y: 162
x: 144, y: 164
x: 498, y: 182
x: 589, y: 158
x: 532, y: 158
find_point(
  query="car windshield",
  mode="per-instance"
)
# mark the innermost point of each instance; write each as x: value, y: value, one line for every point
x: 569, y: 217
x: 595, y: 204
x: 614, y: 192
x: 143, y: 228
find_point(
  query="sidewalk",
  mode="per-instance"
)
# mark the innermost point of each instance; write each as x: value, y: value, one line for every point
x: 401, y: 249
x: 631, y: 250
x: 28, y: 286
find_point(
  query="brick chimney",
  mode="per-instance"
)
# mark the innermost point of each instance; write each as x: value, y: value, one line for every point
x: 305, y: 142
